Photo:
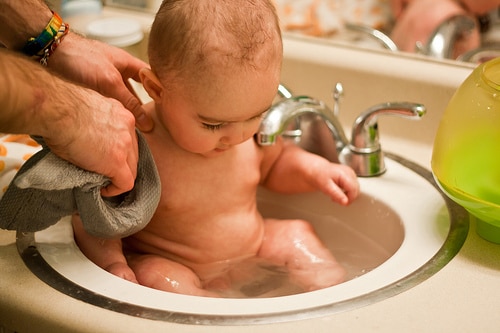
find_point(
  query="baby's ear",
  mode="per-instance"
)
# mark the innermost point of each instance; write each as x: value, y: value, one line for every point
x: 151, y: 84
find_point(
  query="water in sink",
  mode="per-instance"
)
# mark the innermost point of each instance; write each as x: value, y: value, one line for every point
x: 361, y: 237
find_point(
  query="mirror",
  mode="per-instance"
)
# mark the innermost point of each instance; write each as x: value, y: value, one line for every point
x: 464, y: 30
x: 441, y: 29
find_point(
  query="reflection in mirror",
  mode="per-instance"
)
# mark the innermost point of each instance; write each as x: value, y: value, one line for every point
x: 466, y: 30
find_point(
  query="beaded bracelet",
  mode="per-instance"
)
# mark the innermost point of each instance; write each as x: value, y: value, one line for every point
x: 47, y: 51
x: 44, y: 45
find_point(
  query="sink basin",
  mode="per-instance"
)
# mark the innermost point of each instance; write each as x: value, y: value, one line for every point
x: 361, y: 236
x: 400, y: 232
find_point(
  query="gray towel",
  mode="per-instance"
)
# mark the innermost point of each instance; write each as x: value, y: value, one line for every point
x: 48, y: 188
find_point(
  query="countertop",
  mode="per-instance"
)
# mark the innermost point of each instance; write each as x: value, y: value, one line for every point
x: 462, y: 297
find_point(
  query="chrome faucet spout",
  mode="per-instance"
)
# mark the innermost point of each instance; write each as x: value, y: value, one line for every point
x: 378, y: 35
x: 281, y: 114
x: 442, y: 42
x: 309, y: 116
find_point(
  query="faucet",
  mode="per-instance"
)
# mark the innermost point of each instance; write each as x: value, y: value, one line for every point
x: 441, y: 43
x: 375, y: 34
x: 316, y: 128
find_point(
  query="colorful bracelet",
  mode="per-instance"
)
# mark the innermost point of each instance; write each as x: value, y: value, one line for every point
x: 47, y: 51
x: 45, y: 44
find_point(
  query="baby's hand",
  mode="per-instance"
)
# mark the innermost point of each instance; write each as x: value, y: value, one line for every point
x: 123, y: 271
x: 337, y: 181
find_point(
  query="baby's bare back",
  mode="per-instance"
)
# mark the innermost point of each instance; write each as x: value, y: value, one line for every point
x: 207, y: 212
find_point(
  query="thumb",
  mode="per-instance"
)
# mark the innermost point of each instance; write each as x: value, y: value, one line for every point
x: 143, y: 121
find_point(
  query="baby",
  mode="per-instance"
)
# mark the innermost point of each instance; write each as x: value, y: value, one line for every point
x: 215, y: 68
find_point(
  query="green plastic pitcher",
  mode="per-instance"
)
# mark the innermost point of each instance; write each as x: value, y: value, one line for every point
x: 466, y: 155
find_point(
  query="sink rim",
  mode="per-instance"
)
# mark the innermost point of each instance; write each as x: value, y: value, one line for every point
x: 455, y: 238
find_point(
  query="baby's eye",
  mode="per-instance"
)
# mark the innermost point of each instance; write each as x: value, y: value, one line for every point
x: 258, y: 117
x: 212, y: 127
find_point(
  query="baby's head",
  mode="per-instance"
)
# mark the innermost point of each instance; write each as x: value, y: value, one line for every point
x: 196, y: 39
x: 218, y: 61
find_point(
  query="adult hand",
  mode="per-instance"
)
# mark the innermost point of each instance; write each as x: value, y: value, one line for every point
x: 93, y: 132
x: 398, y: 6
x: 103, y: 68
x: 96, y: 65
x: 419, y: 18
x: 101, y: 139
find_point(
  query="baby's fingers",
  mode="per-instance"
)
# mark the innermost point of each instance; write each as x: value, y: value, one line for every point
x: 351, y: 189
x: 345, y: 188
x: 337, y: 194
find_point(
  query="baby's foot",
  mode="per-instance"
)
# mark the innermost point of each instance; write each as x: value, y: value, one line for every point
x: 318, y: 275
x: 123, y: 271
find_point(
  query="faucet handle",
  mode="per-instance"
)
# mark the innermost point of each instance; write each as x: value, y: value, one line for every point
x: 363, y: 153
x: 338, y: 94
x: 364, y: 135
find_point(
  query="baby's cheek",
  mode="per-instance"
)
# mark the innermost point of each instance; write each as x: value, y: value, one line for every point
x: 199, y: 142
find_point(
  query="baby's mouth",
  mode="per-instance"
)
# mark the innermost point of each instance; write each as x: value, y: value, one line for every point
x: 222, y: 149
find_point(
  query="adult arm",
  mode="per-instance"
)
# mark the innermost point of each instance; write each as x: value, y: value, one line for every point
x: 93, y: 64
x: 94, y: 132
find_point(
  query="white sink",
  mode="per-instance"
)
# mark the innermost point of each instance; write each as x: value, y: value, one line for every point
x: 399, y: 232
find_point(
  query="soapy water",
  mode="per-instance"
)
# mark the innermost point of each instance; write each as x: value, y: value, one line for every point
x: 269, y: 281
x: 252, y: 278
x: 256, y: 277
x: 356, y: 252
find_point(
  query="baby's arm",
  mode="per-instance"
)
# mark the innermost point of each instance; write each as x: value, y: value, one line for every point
x: 294, y: 170
x: 105, y: 253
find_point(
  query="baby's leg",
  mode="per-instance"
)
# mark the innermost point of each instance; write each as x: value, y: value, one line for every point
x: 160, y: 273
x: 105, y: 253
x: 294, y: 244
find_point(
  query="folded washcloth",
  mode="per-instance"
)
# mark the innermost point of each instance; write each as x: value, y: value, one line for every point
x: 47, y: 188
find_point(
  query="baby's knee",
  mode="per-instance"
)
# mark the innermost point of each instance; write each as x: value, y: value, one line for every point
x: 161, y: 273
x: 146, y: 267
x: 300, y: 227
